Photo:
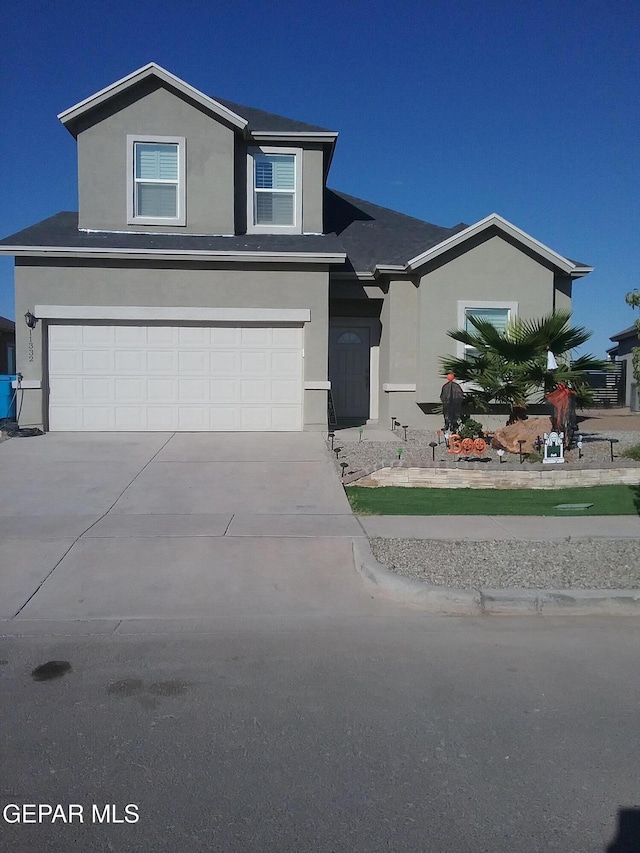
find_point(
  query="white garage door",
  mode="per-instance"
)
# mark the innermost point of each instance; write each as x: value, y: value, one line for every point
x: 166, y: 378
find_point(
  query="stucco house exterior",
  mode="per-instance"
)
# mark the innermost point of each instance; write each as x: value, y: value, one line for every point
x: 211, y: 281
x: 625, y: 342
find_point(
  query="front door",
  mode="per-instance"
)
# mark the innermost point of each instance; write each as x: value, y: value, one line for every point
x: 349, y: 371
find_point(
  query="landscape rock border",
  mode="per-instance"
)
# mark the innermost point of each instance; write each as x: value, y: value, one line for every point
x: 490, y: 602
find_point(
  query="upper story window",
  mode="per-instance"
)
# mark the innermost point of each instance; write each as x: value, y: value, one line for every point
x: 156, y: 180
x: 274, y: 181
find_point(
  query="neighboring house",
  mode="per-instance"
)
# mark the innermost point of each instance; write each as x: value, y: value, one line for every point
x: 7, y: 346
x: 211, y: 281
x: 623, y: 351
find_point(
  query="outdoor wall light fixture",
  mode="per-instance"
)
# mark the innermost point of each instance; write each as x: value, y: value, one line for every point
x: 30, y: 319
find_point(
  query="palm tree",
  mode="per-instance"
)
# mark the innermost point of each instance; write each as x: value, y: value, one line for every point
x: 509, y: 367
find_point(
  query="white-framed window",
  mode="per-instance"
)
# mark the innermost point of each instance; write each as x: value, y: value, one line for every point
x: 156, y: 192
x: 274, y: 181
x: 499, y: 314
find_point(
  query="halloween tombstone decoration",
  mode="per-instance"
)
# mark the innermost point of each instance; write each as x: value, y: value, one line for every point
x: 563, y: 420
x: 451, y: 397
x: 553, y: 447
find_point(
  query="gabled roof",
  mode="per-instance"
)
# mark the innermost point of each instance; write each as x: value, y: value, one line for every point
x: 7, y: 325
x: 375, y: 236
x: 495, y: 221
x: 246, y: 119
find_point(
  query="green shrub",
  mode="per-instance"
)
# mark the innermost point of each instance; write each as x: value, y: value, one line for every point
x: 471, y: 429
x: 632, y: 452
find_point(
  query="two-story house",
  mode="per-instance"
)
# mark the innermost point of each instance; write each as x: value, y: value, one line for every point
x: 211, y: 281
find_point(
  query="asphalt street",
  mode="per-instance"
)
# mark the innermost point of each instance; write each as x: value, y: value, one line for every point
x: 380, y: 732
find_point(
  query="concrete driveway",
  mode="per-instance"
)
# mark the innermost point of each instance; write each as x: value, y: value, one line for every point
x: 111, y: 527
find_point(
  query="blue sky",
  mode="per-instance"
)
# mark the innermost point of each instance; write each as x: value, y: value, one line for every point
x: 447, y: 110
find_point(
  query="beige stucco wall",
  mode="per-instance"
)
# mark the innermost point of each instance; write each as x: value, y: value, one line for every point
x: 167, y: 286
x: 102, y: 164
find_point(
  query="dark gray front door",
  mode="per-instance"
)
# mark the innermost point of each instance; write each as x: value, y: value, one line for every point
x: 349, y: 370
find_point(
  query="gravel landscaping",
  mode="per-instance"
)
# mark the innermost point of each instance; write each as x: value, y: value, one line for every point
x: 368, y: 456
x: 579, y: 564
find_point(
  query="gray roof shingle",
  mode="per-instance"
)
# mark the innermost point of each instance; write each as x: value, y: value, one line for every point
x: 7, y: 325
x: 61, y: 230
x: 374, y: 235
x: 262, y: 120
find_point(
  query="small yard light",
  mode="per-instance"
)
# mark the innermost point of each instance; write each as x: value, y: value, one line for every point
x: 521, y: 441
x: 360, y: 431
x: 400, y: 452
x: 393, y: 422
x: 433, y: 445
x: 612, y: 441
x: 337, y: 452
x: 580, y: 447
x: 501, y: 454
x: 344, y: 466
x: 332, y: 436
x: 405, y: 428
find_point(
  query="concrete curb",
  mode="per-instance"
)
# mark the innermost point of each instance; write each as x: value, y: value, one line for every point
x: 491, y: 602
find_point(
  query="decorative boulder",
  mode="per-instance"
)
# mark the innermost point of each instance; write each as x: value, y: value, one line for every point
x: 507, y: 437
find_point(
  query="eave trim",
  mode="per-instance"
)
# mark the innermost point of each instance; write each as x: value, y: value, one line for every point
x: 176, y: 255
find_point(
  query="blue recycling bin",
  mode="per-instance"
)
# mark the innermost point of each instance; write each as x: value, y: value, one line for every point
x: 7, y: 398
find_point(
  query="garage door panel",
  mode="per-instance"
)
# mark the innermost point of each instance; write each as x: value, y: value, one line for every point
x: 133, y: 389
x: 287, y: 363
x: 97, y: 361
x: 223, y: 389
x: 98, y: 390
x: 129, y: 361
x: 161, y: 390
x: 162, y: 361
x: 65, y: 335
x: 94, y: 335
x: 193, y: 361
x: 224, y: 362
x: 283, y: 415
x: 284, y: 391
x: 130, y: 336
x: 224, y: 336
x: 254, y: 362
x: 175, y: 378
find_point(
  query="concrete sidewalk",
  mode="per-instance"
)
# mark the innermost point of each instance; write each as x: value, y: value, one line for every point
x: 487, y: 527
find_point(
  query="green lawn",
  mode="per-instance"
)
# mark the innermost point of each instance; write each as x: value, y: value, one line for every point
x: 394, y: 500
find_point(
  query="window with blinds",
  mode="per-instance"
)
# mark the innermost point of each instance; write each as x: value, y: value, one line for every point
x: 274, y: 189
x: 156, y: 180
x: 498, y: 317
